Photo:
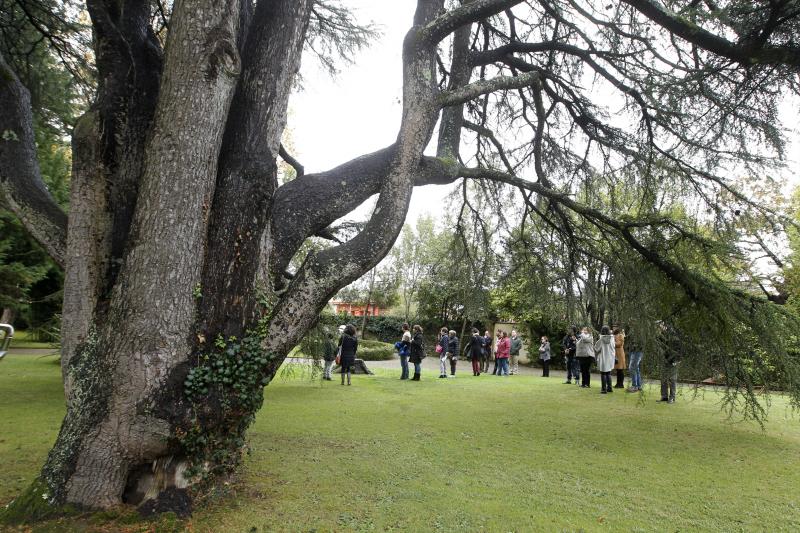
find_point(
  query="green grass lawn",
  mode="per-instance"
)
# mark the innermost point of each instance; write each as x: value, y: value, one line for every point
x: 468, y: 454
x: 23, y: 339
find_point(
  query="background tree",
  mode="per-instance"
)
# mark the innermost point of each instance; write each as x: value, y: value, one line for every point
x: 378, y: 287
x: 177, y: 306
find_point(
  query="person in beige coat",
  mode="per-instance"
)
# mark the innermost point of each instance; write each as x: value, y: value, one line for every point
x: 619, y: 366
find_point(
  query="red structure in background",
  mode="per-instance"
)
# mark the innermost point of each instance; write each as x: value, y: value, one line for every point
x: 357, y: 309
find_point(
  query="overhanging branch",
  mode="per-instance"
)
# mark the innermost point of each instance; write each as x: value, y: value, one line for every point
x: 21, y: 187
x: 744, y: 53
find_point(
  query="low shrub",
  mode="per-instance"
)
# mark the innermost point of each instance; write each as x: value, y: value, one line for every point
x: 370, y: 350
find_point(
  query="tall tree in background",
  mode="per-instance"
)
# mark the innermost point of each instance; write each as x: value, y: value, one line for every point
x: 177, y: 306
x: 30, y: 282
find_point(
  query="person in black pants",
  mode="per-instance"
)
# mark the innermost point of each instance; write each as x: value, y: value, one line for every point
x: 584, y: 351
x: 474, y: 350
x: 544, y: 356
x: 452, y: 351
x: 568, y: 346
x: 349, y: 344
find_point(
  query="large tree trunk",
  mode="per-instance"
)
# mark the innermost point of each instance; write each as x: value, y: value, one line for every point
x: 176, y: 309
x: 112, y: 424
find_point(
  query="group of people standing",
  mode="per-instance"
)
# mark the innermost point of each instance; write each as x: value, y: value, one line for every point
x: 580, y: 349
x: 478, y: 350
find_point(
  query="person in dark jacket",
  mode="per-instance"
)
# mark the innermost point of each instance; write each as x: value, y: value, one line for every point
x: 452, y: 351
x: 349, y: 345
x: 474, y: 350
x: 417, y: 351
x: 672, y: 347
x: 568, y: 345
x: 329, y: 355
x: 441, y: 349
x: 486, y: 355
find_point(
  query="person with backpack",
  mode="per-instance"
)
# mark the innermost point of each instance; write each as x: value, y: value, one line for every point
x: 516, y: 346
x: 441, y: 349
x: 503, y: 353
x: 348, y: 344
x: 417, y: 351
x: 452, y: 351
x: 403, y: 347
x: 584, y: 353
x: 604, y: 349
x: 328, y: 355
x: 474, y: 350
x: 544, y: 356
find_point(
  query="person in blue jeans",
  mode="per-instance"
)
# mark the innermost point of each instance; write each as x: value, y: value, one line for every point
x: 635, y: 369
x: 634, y: 363
x: 417, y: 352
x: 403, y: 347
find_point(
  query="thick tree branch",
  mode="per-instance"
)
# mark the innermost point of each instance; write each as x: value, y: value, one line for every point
x: 453, y: 116
x: 323, y: 273
x: 746, y: 53
x: 445, y: 24
x: 21, y: 187
x: 305, y: 206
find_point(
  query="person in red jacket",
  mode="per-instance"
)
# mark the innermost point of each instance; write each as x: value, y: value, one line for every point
x: 502, y: 353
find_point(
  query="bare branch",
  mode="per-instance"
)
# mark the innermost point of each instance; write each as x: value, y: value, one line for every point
x: 473, y: 90
x: 294, y: 163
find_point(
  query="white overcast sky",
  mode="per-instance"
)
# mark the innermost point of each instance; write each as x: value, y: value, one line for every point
x: 333, y: 120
